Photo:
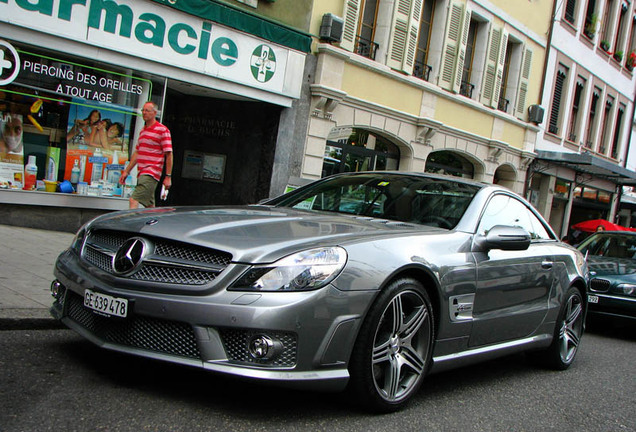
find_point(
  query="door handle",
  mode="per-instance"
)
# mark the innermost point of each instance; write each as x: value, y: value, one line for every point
x: 545, y: 264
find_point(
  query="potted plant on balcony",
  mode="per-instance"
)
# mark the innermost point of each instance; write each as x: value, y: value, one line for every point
x: 590, y: 26
x: 618, y: 55
x: 630, y: 63
x: 605, y: 45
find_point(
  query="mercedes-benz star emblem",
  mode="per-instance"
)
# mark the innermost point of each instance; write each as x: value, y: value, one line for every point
x: 130, y: 255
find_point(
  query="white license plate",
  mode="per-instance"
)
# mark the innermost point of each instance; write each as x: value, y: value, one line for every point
x: 106, y: 304
x: 592, y: 299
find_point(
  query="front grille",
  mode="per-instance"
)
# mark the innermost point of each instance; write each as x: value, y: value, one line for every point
x: 235, y: 344
x: 151, y: 334
x: 175, y: 262
x: 599, y: 285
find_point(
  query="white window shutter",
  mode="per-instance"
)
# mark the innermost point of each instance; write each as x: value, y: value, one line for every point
x: 350, y: 30
x: 526, y: 65
x: 490, y: 69
x: 404, y: 32
x: 461, y: 55
x: 449, y: 65
x: 501, y: 63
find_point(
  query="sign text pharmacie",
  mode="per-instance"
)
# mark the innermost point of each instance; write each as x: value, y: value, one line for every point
x: 154, y: 32
x: 149, y: 28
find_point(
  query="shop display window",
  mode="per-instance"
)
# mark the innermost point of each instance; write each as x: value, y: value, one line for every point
x: 69, y: 121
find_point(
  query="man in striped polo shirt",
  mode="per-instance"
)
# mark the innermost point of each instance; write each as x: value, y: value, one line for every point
x: 154, y: 145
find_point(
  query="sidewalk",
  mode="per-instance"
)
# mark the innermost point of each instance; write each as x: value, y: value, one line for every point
x: 26, y: 272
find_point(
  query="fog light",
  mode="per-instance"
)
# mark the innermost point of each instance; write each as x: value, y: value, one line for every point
x: 56, y: 289
x: 263, y: 347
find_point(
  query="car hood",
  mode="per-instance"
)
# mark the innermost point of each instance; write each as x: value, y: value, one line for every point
x: 625, y: 268
x: 255, y: 233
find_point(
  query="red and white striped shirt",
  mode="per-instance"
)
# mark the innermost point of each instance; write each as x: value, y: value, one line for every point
x: 153, y: 143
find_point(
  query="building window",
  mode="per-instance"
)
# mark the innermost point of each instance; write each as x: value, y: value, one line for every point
x: 503, y: 103
x: 617, y: 131
x: 555, y: 111
x: 466, y: 88
x: 591, y: 20
x: 449, y: 163
x: 630, y: 57
x: 421, y: 68
x: 590, y: 134
x: 576, y: 112
x: 606, y: 125
x: 619, y: 42
x: 364, y: 43
x: 570, y: 11
x: 606, y: 36
x: 353, y: 150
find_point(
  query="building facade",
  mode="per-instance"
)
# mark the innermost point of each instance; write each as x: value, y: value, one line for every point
x: 583, y: 145
x: 229, y: 84
x: 436, y: 86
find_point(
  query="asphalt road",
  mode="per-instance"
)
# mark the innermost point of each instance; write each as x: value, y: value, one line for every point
x: 52, y: 380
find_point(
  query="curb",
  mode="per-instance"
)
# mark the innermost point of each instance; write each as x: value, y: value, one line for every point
x: 28, y: 319
x: 30, y: 324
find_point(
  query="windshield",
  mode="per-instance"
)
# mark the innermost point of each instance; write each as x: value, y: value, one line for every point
x: 415, y: 199
x: 610, y: 245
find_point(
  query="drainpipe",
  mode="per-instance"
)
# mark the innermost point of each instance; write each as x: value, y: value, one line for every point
x: 548, y: 50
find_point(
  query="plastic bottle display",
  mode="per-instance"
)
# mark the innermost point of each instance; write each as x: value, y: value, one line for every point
x: 75, y: 173
x: 98, y: 167
x: 30, y: 174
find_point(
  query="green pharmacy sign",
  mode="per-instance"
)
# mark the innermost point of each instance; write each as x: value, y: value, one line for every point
x: 263, y: 63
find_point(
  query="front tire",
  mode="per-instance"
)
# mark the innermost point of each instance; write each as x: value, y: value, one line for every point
x: 393, y: 351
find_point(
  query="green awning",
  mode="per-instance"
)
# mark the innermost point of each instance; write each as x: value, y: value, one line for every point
x: 243, y: 21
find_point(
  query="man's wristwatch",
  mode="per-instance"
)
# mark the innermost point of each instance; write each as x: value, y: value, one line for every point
x: 168, y: 175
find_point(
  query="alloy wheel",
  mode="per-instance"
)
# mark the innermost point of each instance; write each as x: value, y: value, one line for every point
x: 571, y: 329
x: 401, y: 346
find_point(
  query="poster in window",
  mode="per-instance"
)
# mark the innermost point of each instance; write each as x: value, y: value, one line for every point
x: 214, y: 167
x: 97, y: 140
x: 192, y: 165
x: 11, y: 150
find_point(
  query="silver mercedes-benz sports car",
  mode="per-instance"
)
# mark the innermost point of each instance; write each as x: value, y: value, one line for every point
x: 365, y: 281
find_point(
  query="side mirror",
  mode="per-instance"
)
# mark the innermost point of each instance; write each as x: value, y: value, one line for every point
x: 505, y: 238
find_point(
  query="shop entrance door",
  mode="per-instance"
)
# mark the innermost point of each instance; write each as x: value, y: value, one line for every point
x: 356, y: 160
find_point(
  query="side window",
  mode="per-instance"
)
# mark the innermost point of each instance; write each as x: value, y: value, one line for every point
x: 507, y: 210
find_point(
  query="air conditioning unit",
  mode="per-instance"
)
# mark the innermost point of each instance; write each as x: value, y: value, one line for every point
x: 535, y: 114
x: 331, y: 28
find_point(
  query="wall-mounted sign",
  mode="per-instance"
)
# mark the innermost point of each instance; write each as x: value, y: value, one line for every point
x: 203, y: 166
x: 30, y: 74
x: 151, y: 31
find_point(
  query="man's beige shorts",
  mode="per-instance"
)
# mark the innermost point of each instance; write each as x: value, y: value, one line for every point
x: 144, y: 192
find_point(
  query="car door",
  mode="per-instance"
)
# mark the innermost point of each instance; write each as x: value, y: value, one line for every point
x: 513, y: 287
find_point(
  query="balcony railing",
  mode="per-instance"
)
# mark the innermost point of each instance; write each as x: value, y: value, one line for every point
x: 503, y: 104
x: 421, y: 70
x: 466, y: 89
x: 365, y: 47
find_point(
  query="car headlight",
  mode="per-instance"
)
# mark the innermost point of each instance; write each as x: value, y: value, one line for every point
x: 302, y: 271
x: 627, y: 289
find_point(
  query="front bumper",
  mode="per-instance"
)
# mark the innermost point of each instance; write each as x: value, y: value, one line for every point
x: 315, y: 329
x: 603, y: 304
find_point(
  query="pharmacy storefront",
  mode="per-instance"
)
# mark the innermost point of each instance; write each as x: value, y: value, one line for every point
x: 74, y: 76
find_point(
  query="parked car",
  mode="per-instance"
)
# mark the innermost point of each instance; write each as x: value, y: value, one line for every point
x: 369, y: 281
x: 611, y: 257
